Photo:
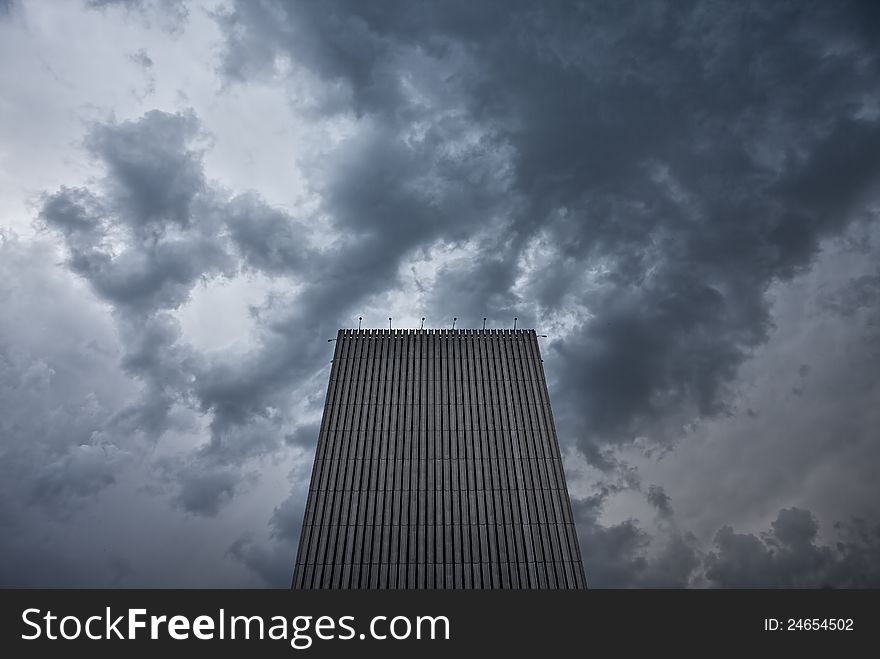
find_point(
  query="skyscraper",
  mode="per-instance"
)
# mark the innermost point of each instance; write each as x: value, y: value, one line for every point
x: 438, y: 466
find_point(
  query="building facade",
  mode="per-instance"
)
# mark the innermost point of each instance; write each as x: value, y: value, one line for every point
x: 437, y: 466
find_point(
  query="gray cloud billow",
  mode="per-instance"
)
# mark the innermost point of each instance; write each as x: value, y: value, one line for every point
x: 154, y: 228
x: 634, y: 178
x: 787, y: 555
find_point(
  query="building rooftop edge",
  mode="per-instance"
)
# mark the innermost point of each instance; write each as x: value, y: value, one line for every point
x: 445, y: 332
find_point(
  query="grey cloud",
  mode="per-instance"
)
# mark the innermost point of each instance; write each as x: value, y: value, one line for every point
x: 788, y: 555
x: 362, y: 262
x: 658, y: 498
x: 155, y: 201
x: 153, y: 172
x: 238, y: 392
x: 204, y: 490
x: 269, y: 240
x: 145, y: 63
x: 619, y: 556
x: 82, y: 472
x: 477, y: 287
x: 233, y: 443
x: 859, y: 293
x: 776, y: 449
x: 142, y: 59
x: 158, y: 276
x: 178, y: 230
x: 304, y: 435
x: 272, y: 561
x: 691, y: 169
x: 287, y: 518
x: 78, y: 214
x: 146, y: 204
x: 169, y: 14
x: 58, y: 389
x: 175, y: 231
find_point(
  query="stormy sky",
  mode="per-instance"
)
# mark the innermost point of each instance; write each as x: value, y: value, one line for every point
x: 684, y: 196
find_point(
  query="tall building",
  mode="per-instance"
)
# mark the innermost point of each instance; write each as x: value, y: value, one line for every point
x: 438, y: 466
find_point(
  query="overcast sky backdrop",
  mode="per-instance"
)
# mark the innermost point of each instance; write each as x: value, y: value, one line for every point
x: 682, y: 196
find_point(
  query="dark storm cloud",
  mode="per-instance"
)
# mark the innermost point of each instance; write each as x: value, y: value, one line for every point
x: 305, y: 435
x: 477, y: 286
x: 616, y: 556
x: 269, y: 240
x: 59, y: 391
x: 788, y: 555
x: 154, y: 172
x: 204, y: 490
x: 272, y: 561
x: 82, y: 472
x: 143, y: 237
x: 658, y: 498
x: 153, y: 180
x: 670, y: 145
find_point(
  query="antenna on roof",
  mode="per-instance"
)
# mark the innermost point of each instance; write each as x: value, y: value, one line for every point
x: 453, y: 322
x: 360, y: 318
x: 422, y: 326
x: 484, y: 323
x: 514, y: 323
x: 389, y: 323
